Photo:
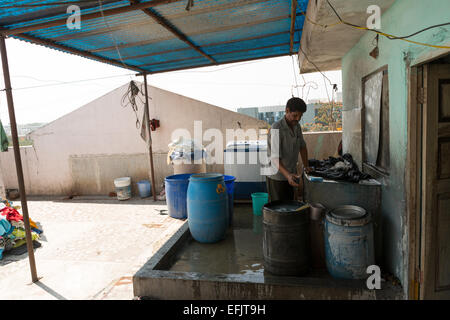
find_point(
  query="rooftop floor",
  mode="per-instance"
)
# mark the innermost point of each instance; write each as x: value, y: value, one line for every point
x: 91, y: 247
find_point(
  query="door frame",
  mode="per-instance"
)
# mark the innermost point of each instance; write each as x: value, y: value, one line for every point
x: 413, y: 178
x: 415, y: 188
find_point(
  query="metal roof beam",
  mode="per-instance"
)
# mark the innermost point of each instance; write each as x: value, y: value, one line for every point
x: 88, y: 16
x: 293, y: 17
x: 86, y: 54
x: 220, y: 63
x: 96, y: 32
x: 227, y: 28
x: 208, y: 45
x: 50, y: 12
x: 168, y: 26
x: 219, y: 54
x: 190, y: 13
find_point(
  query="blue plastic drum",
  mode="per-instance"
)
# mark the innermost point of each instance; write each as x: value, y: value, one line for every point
x: 349, y: 244
x: 207, y: 206
x: 176, y: 192
x: 229, y: 183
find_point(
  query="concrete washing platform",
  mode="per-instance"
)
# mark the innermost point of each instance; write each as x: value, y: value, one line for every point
x: 233, y: 269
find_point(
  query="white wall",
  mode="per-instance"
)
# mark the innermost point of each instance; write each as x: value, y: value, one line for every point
x: 83, y: 151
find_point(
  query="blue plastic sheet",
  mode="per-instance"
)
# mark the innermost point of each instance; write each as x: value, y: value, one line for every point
x: 227, y: 30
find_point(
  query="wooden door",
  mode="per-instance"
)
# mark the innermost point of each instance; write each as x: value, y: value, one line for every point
x: 435, y: 242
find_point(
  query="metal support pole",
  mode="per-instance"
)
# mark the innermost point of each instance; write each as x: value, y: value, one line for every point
x: 149, y: 131
x: 15, y: 139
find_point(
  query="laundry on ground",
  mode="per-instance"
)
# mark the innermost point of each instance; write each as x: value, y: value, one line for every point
x: 12, y: 230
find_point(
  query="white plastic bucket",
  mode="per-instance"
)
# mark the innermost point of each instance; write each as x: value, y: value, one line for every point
x: 123, y: 188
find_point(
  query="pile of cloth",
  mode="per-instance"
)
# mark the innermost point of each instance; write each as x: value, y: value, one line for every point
x: 339, y: 169
x: 186, y: 150
x: 12, y: 230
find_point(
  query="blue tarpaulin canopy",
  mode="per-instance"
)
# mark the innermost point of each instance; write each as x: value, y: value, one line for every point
x: 149, y: 36
x: 153, y: 36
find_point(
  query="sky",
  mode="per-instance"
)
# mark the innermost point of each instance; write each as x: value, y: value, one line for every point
x: 48, y: 84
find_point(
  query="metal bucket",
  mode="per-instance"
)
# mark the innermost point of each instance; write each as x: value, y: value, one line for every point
x: 317, y: 211
x: 286, y: 238
x: 316, y: 232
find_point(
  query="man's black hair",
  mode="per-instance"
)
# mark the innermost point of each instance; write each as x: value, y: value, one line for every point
x: 296, y: 105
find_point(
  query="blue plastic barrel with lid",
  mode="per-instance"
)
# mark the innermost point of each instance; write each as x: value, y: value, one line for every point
x: 207, y: 206
x: 349, y: 244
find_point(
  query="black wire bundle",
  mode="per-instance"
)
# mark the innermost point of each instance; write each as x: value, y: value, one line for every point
x: 129, y: 99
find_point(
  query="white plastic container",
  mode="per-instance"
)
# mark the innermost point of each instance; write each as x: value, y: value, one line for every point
x: 123, y: 188
x: 179, y: 167
x: 244, y: 160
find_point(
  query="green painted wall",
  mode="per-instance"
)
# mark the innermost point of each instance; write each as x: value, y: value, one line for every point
x: 402, y: 18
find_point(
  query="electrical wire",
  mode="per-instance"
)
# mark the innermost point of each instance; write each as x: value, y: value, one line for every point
x: 69, y: 82
x: 308, y: 84
x: 292, y: 56
x: 309, y: 88
x: 208, y: 71
x: 36, y: 79
x: 318, y: 24
x: 111, y: 35
x: 129, y: 99
x: 317, y: 68
x: 324, y: 76
x: 390, y: 36
x: 295, y: 77
x: 325, y: 84
x: 420, y: 31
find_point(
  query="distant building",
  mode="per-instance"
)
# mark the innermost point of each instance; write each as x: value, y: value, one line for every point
x: 271, y: 114
x: 24, y: 129
x: 337, y: 98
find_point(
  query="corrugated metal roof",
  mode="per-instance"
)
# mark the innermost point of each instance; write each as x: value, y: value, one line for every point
x: 160, y: 35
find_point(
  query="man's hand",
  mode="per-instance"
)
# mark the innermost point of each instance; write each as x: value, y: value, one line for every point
x: 292, y: 179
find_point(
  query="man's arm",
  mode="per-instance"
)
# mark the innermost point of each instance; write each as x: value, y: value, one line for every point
x: 304, y: 155
x: 289, y: 176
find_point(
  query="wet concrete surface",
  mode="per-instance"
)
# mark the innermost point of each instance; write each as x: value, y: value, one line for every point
x: 233, y: 269
x: 239, y: 253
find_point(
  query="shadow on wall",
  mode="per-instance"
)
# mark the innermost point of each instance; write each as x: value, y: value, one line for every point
x: 95, y: 174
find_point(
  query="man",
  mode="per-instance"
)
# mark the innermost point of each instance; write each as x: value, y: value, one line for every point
x: 283, y: 153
